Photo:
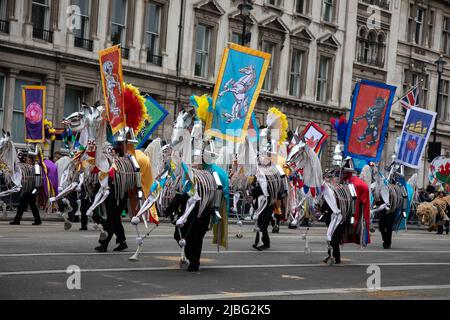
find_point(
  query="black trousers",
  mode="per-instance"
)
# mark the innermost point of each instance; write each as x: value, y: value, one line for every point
x: 113, y: 224
x: 25, y: 200
x: 85, y: 205
x: 336, y: 242
x: 264, y: 220
x: 193, y: 232
x: 72, y: 197
x: 386, y: 222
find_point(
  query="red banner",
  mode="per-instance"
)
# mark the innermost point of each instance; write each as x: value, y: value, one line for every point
x: 111, y: 71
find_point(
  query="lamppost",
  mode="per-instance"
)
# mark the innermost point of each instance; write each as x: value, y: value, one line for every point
x: 245, y: 7
x: 440, y: 69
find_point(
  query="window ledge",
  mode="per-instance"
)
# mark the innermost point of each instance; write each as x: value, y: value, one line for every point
x: 273, y: 7
x: 302, y: 16
x: 370, y: 66
x: 331, y: 25
x: 381, y: 9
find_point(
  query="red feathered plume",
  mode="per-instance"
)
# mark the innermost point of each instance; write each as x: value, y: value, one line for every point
x: 135, y: 109
x: 342, y: 119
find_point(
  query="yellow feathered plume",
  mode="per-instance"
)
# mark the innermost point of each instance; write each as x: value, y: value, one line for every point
x: 278, y: 120
x: 202, y: 106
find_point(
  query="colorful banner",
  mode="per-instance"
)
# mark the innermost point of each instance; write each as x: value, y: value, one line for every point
x: 112, y: 81
x: 314, y: 136
x: 33, y: 100
x: 416, y: 130
x: 369, y: 120
x: 237, y: 89
x: 156, y: 114
x: 440, y: 171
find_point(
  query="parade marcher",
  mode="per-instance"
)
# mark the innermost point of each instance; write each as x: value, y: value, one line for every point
x: 385, y: 224
x: 276, y: 217
x: 263, y: 219
x: 113, y: 224
x: 28, y: 198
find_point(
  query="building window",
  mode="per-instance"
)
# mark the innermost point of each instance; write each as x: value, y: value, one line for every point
x: 411, y: 79
x: 118, y: 18
x: 300, y: 6
x: 202, y: 47
x: 82, y: 35
x: 443, y: 100
x: 40, y: 17
x: 295, y: 74
x: 418, y: 35
x: 322, y: 79
x: 446, y: 36
x: 430, y: 28
x: 272, y: 2
x: 363, y: 51
x: 18, y: 123
x: 2, y: 98
x: 236, y: 37
x: 373, y: 48
x: 74, y: 97
x: 381, y: 50
x: 327, y: 10
x: 152, y: 34
x: 3, y: 10
x: 269, y: 48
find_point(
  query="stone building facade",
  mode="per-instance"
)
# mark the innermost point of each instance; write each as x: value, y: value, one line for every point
x: 172, y: 49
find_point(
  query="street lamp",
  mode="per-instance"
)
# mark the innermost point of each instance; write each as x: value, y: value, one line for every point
x: 245, y: 7
x: 440, y: 69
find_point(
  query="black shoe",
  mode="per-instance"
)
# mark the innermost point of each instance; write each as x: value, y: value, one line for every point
x: 101, y: 248
x: 276, y: 230
x: 193, y: 267
x: 264, y: 247
x: 83, y: 229
x: 256, y: 247
x: 337, y: 262
x: 386, y: 246
x: 14, y: 223
x: 121, y: 247
x: 37, y: 223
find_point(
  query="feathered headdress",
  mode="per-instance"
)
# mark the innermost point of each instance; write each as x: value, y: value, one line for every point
x: 202, y: 105
x: 340, y: 125
x: 135, y: 109
x: 50, y: 132
x: 278, y: 120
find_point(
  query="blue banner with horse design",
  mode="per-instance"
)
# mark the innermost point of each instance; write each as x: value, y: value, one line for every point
x: 237, y: 89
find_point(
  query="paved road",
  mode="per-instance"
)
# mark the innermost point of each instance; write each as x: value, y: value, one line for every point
x: 34, y: 260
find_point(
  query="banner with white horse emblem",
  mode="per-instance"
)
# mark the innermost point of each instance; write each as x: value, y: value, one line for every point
x: 237, y: 89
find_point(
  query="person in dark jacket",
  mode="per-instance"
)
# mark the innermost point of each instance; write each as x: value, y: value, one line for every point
x: 28, y: 198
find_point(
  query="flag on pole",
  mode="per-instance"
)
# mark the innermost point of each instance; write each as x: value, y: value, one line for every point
x: 416, y: 131
x: 411, y: 98
x: 112, y: 82
x: 240, y: 79
x: 33, y: 99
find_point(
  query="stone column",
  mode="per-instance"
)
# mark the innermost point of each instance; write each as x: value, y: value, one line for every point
x: 28, y: 25
x: 9, y: 98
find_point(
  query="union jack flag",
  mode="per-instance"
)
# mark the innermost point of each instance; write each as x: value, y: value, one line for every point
x: 411, y: 98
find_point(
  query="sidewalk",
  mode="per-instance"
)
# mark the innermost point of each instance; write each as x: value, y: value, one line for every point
x: 28, y: 217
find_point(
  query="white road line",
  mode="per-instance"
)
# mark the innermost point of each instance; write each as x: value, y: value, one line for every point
x: 228, y: 295
x: 253, y: 266
x: 63, y: 254
x: 212, y: 252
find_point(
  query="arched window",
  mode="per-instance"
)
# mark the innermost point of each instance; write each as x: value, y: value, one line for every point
x: 381, y: 49
x: 373, y: 49
x: 363, y: 47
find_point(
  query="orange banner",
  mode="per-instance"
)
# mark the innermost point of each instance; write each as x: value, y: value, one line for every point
x: 111, y: 71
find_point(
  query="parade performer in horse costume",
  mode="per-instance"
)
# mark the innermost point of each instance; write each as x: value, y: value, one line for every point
x: 195, y: 191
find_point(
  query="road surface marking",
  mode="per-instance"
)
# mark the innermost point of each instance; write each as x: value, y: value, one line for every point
x: 62, y: 254
x: 228, y: 295
x: 253, y: 266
